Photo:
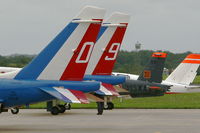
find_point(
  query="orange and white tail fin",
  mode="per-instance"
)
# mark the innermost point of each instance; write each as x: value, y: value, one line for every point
x: 186, y: 71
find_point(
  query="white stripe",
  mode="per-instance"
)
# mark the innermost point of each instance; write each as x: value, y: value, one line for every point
x: 192, y: 59
x: 68, y: 94
x: 99, y: 48
x: 105, y: 91
x: 58, y: 64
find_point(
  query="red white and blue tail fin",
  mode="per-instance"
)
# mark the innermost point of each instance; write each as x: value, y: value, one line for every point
x: 108, y: 44
x: 186, y: 71
x: 66, y: 57
x: 106, y: 49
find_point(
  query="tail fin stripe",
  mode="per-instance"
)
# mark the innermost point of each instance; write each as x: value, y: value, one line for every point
x: 98, y: 51
x: 42, y: 60
x: 71, y: 72
x: 102, y: 30
x: 75, y: 39
x: 192, y: 61
x: 116, y: 40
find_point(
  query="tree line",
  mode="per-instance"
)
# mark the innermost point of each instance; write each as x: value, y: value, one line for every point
x: 128, y: 62
x: 134, y: 62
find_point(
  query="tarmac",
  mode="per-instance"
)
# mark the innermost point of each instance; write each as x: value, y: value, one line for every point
x: 114, y: 121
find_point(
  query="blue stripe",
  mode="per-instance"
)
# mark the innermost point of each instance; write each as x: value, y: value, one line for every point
x: 65, y: 99
x: 100, y: 92
x: 109, y: 79
x: 35, y: 68
x: 102, y: 30
x: 57, y: 94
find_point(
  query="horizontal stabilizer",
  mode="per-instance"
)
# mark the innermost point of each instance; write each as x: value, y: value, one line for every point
x: 111, y: 89
x: 120, y: 89
x: 66, y: 95
x: 107, y: 89
x: 93, y: 98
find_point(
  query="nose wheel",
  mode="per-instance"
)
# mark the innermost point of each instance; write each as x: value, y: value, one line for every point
x: 15, y: 110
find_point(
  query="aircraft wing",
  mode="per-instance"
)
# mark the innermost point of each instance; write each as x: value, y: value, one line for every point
x: 66, y: 95
x: 107, y: 89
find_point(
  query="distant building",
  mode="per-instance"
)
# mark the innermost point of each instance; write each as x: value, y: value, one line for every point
x: 138, y: 46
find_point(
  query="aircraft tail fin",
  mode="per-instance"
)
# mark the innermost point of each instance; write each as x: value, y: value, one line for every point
x: 154, y: 69
x: 66, y: 57
x: 108, y: 44
x: 186, y: 71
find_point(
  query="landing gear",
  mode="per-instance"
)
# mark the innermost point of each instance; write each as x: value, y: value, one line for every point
x: 55, y: 110
x: 1, y: 107
x: 100, y: 108
x: 109, y: 106
x: 15, y: 110
x: 106, y: 105
x: 67, y: 106
x: 61, y: 108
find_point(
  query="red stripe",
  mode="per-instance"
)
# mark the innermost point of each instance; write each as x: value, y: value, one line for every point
x: 85, y: 52
x: 125, y: 24
x: 76, y: 71
x: 80, y: 96
x: 111, y: 89
x: 155, y: 88
x: 105, y: 67
x: 172, y: 93
x: 98, y: 20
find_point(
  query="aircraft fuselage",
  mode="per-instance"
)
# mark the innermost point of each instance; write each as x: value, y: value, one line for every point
x: 21, y: 92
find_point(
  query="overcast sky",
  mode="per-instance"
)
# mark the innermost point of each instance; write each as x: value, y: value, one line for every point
x: 27, y: 26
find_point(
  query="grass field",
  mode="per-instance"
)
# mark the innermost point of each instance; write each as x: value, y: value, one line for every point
x: 173, y: 101
x: 197, y: 80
